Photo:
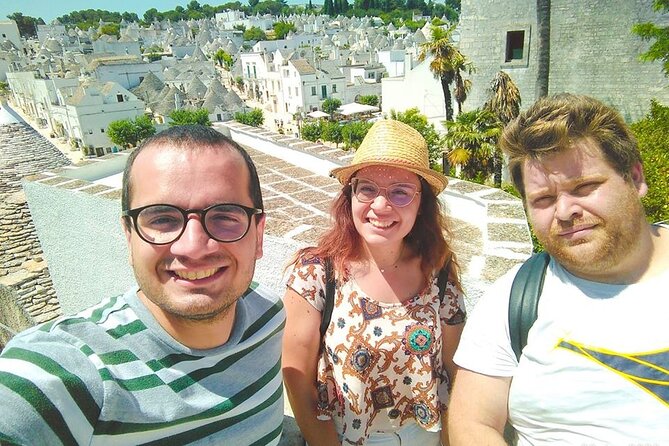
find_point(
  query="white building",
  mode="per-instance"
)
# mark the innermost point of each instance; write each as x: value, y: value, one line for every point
x: 125, y: 71
x: 36, y: 96
x: 120, y: 47
x: 85, y: 112
x: 9, y: 31
x: 417, y: 88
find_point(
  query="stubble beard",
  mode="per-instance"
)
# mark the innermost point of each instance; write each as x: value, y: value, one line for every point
x: 611, y: 241
x: 196, y: 305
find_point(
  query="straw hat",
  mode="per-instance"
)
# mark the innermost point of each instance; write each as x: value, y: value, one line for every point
x: 395, y: 144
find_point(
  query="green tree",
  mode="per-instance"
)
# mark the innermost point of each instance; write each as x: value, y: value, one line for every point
x: 224, y: 59
x: 282, y: 28
x: 370, y: 99
x: 254, y: 118
x: 471, y: 142
x: 190, y: 117
x: 111, y: 29
x: 504, y: 103
x: 129, y: 133
x: 330, y: 105
x: 331, y: 131
x: 446, y: 60
x: 328, y: 8
x: 354, y: 132
x: 418, y: 121
x: 659, y: 49
x: 311, y: 131
x: 27, y: 25
x: 144, y: 127
x: 254, y: 33
x: 652, y: 133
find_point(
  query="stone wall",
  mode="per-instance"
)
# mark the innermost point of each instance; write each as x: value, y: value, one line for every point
x: 13, y: 317
x: 592, y: 51
x: 24, y: 152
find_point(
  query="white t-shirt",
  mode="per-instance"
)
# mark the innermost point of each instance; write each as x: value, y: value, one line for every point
x: 596, y: 366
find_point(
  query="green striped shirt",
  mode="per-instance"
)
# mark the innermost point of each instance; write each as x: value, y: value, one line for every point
x: 112, y: 375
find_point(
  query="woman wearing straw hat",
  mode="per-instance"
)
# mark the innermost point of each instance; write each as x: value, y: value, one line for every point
x: 382, y: 371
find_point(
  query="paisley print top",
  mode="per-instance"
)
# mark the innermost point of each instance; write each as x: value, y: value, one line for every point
x: 381, y: 363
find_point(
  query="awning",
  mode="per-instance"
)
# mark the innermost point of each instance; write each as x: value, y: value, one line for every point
x: 355, y: 108
x: 317, y: 114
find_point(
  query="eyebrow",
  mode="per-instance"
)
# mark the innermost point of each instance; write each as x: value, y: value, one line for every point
x: 570, y: 183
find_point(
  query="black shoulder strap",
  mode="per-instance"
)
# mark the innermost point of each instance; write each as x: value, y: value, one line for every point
x: 524, y: 299
x: 442, y: 279
x: 326, y: 315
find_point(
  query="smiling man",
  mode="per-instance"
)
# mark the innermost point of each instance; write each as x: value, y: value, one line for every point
x: 596, y: 365
x: 191, y: 355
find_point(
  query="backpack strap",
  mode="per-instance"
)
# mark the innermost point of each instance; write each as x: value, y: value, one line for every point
x: 443, y: 279
x: 326, y: 315
x: 524, y: 299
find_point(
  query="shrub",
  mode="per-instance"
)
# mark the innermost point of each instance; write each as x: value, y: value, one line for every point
x: 311, y: 131
x: 354, y: 132
x: 652, y: 133
x: 253, y: 118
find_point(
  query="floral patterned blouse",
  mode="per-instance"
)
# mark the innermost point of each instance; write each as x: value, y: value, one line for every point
x: 381, y: 365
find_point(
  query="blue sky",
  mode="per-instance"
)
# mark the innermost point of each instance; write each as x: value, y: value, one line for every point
x: 50, y: 9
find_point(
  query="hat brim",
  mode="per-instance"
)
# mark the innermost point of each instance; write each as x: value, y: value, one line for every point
x: 436, y: 180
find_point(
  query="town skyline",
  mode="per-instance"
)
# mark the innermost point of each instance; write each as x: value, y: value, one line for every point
x: 49, y: 11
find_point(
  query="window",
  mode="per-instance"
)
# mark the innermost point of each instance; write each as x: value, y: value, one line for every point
x: 334, y: 88
x: 119, y: 98
x: 515, y: 41
x: 324, y: 91
x: 255, y: 75
x: 313, y: 91
x: 102, y: 130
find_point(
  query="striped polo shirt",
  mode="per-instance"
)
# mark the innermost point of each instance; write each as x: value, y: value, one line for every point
x: 112, y: 375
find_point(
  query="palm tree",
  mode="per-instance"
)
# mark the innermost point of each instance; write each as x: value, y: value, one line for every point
x: 462, y: 86
x: 471, y: 143
x: 447, y: 60
x: 543, y: 47
x: 504, y: 98
x: 504, y: 103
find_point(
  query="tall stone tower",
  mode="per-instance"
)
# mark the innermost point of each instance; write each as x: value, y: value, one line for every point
x: 591, y: 50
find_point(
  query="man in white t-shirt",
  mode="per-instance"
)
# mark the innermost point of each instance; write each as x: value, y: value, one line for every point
x: 595, y: 369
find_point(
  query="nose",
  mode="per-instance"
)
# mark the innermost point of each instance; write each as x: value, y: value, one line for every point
x: 567, y: 207
x: 381, y: 201
x: 194, y: 242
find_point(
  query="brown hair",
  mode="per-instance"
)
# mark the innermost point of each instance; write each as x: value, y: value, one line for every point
x: 555, y: 123
x: 428, y: 237
x: 190, y: 137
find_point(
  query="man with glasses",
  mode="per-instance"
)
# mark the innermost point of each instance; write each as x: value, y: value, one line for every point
x: 191, y: 355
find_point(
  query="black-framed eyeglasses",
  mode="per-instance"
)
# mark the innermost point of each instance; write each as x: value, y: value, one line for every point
x: 398, y: 194
x: 161, y: 224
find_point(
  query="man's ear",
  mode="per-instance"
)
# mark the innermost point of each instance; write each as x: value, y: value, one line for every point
x: 260, y: 231
x: 638, y: 179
